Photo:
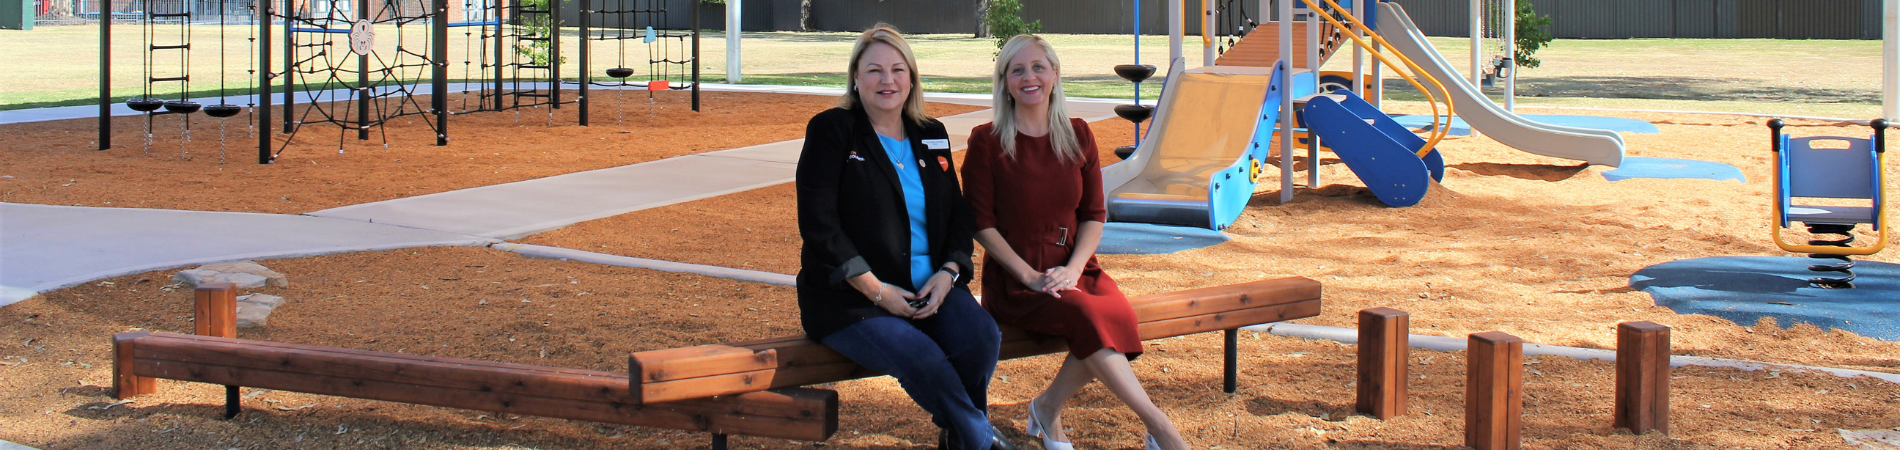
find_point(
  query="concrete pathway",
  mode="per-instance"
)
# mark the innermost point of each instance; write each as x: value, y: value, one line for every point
x: 51, y: 247
x: 513, y: 210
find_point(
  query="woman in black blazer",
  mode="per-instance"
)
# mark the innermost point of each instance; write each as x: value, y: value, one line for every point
x: 888, y: 239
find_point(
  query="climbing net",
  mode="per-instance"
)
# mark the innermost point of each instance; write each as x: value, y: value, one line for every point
x: 1234, y: 22
x: 356, y: 64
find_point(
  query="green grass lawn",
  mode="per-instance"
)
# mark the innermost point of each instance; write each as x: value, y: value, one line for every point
x: 58, y: 65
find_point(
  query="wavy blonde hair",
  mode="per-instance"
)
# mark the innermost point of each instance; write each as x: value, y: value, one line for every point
x: 1061, y: 135
x: 884, y: 33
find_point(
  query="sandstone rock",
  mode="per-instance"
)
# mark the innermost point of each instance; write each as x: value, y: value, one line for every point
x: 242, y: 280
x: 250, y: 267
x: 193, y: 277
x: 266, y: 300
x: 252, y: 315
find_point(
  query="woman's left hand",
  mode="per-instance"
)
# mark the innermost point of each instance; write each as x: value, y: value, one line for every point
x: 934, y: 290
x: 1060, y: 278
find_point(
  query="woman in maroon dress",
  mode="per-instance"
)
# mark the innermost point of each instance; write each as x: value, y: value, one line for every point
x: 1035, y: 183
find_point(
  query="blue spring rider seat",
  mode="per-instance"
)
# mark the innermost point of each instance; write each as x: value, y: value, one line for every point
x: 1805, y: 171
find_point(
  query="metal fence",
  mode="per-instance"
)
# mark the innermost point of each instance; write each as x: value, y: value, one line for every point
x: 1570, y: 19
x: 1616, y: 19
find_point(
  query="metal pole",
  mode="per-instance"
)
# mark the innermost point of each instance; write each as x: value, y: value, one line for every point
x: 1510, y: 56
x: 362, y: 79
x: 1286, y: 101
x: 1231, y: 381
x: 290, y: 64
x: 695, y: 57
x: 1890, y: 60
x: 105, y: 74
x: 1477, y: 32
x: 262, y: 90
x: 733, y: 27
x: 1176, y: 13
x: 1208, y: 33
x: 440, y: 100
x: 587, y: 69
x: 1312, y: 64
x: 501, y: 17
x: 554, y: 50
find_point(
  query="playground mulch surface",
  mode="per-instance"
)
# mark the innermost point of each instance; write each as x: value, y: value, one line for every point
x: 55, y: 374
x: 57, y: 163
x: 1537, y: 247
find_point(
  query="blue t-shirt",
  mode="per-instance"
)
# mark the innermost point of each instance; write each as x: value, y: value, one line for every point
x: 905, y: 161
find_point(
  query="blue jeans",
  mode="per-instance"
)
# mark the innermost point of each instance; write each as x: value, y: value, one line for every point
x: 943, y: 361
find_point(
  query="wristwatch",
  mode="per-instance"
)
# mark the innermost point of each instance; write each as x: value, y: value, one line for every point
x: 954, y: 274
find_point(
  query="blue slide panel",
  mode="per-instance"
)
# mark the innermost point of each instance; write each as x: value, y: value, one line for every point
x: 1393, y: 129
x: 1231, y: 188
x: 1385, y: 162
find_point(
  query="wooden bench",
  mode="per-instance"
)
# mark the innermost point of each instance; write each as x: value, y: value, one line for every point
x: 791, y: 413
x: 670, y: 375
x: 748, y: 388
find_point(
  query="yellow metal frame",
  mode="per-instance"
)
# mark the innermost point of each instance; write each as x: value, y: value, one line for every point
x: 1438, y: 131
x: 1880, y: 217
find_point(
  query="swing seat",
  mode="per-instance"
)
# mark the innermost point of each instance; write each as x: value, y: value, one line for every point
x: 1849, y: 168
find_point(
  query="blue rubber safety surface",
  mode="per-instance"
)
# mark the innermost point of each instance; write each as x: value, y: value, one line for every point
x: 1128, y: 238
x: 1746, y: 288
x: 1459, y: 128
x: 1640, y: 167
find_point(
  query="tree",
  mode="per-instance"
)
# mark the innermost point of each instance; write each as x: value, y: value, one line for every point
x: 1005, y: 21
x: 1532, y: 33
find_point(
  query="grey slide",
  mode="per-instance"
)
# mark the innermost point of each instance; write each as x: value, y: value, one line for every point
x: 1590, y: 145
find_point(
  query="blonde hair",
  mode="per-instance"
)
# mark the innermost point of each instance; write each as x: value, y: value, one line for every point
x: 883, y: 33
x: 1061, y: 134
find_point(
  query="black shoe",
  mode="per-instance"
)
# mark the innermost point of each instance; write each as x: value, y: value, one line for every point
x: 999, y: 442
x: 947, y: 441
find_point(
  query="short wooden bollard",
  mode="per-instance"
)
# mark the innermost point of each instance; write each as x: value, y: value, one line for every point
x: 1494, y: 391
x: 1384, y: 351
x: 215, y: 311
x: 1642, y: 377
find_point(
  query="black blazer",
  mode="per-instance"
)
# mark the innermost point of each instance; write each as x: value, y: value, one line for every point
x: 852, y: 218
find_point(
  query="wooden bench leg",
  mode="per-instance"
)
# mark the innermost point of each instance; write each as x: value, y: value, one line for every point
x: 1384, y: 352
x: 1231, y: 382
x: 230, y: 401
x: 1494, y: 391
x: 125, y: 384
x: 1642, y: 377
x: 719, y: 441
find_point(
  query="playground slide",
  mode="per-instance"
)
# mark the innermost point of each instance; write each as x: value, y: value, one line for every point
x: 1590, y: 145
x: 1200, y: 161
x: 1377, y: 149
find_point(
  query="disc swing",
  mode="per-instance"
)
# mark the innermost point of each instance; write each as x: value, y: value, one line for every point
x: 620, y: 71
x: 222, y: 110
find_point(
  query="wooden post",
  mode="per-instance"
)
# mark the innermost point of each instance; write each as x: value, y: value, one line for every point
x: 1642, y: 377
x: 1384, y: 351
x: 124, y: 383
x: 215, y: 312
x: 1494, y: 391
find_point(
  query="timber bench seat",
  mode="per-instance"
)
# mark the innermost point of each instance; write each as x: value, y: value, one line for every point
x: 140, y: 357
x: 670, y: 375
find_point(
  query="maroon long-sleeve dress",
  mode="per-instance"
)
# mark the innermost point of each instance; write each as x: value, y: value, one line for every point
x: 1036, y: 202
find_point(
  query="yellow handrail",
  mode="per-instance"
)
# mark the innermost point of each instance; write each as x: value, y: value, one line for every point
x: 1438, y: 131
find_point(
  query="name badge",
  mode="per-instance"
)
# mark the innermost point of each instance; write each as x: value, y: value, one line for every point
x: 937, y: 144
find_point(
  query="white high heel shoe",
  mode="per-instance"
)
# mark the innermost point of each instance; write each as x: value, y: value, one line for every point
x: 1036, y: 429
x: 1149, y: 439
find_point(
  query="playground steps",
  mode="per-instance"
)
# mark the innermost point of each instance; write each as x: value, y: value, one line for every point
x: 1377, y: 149
x: 1261, y: 47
